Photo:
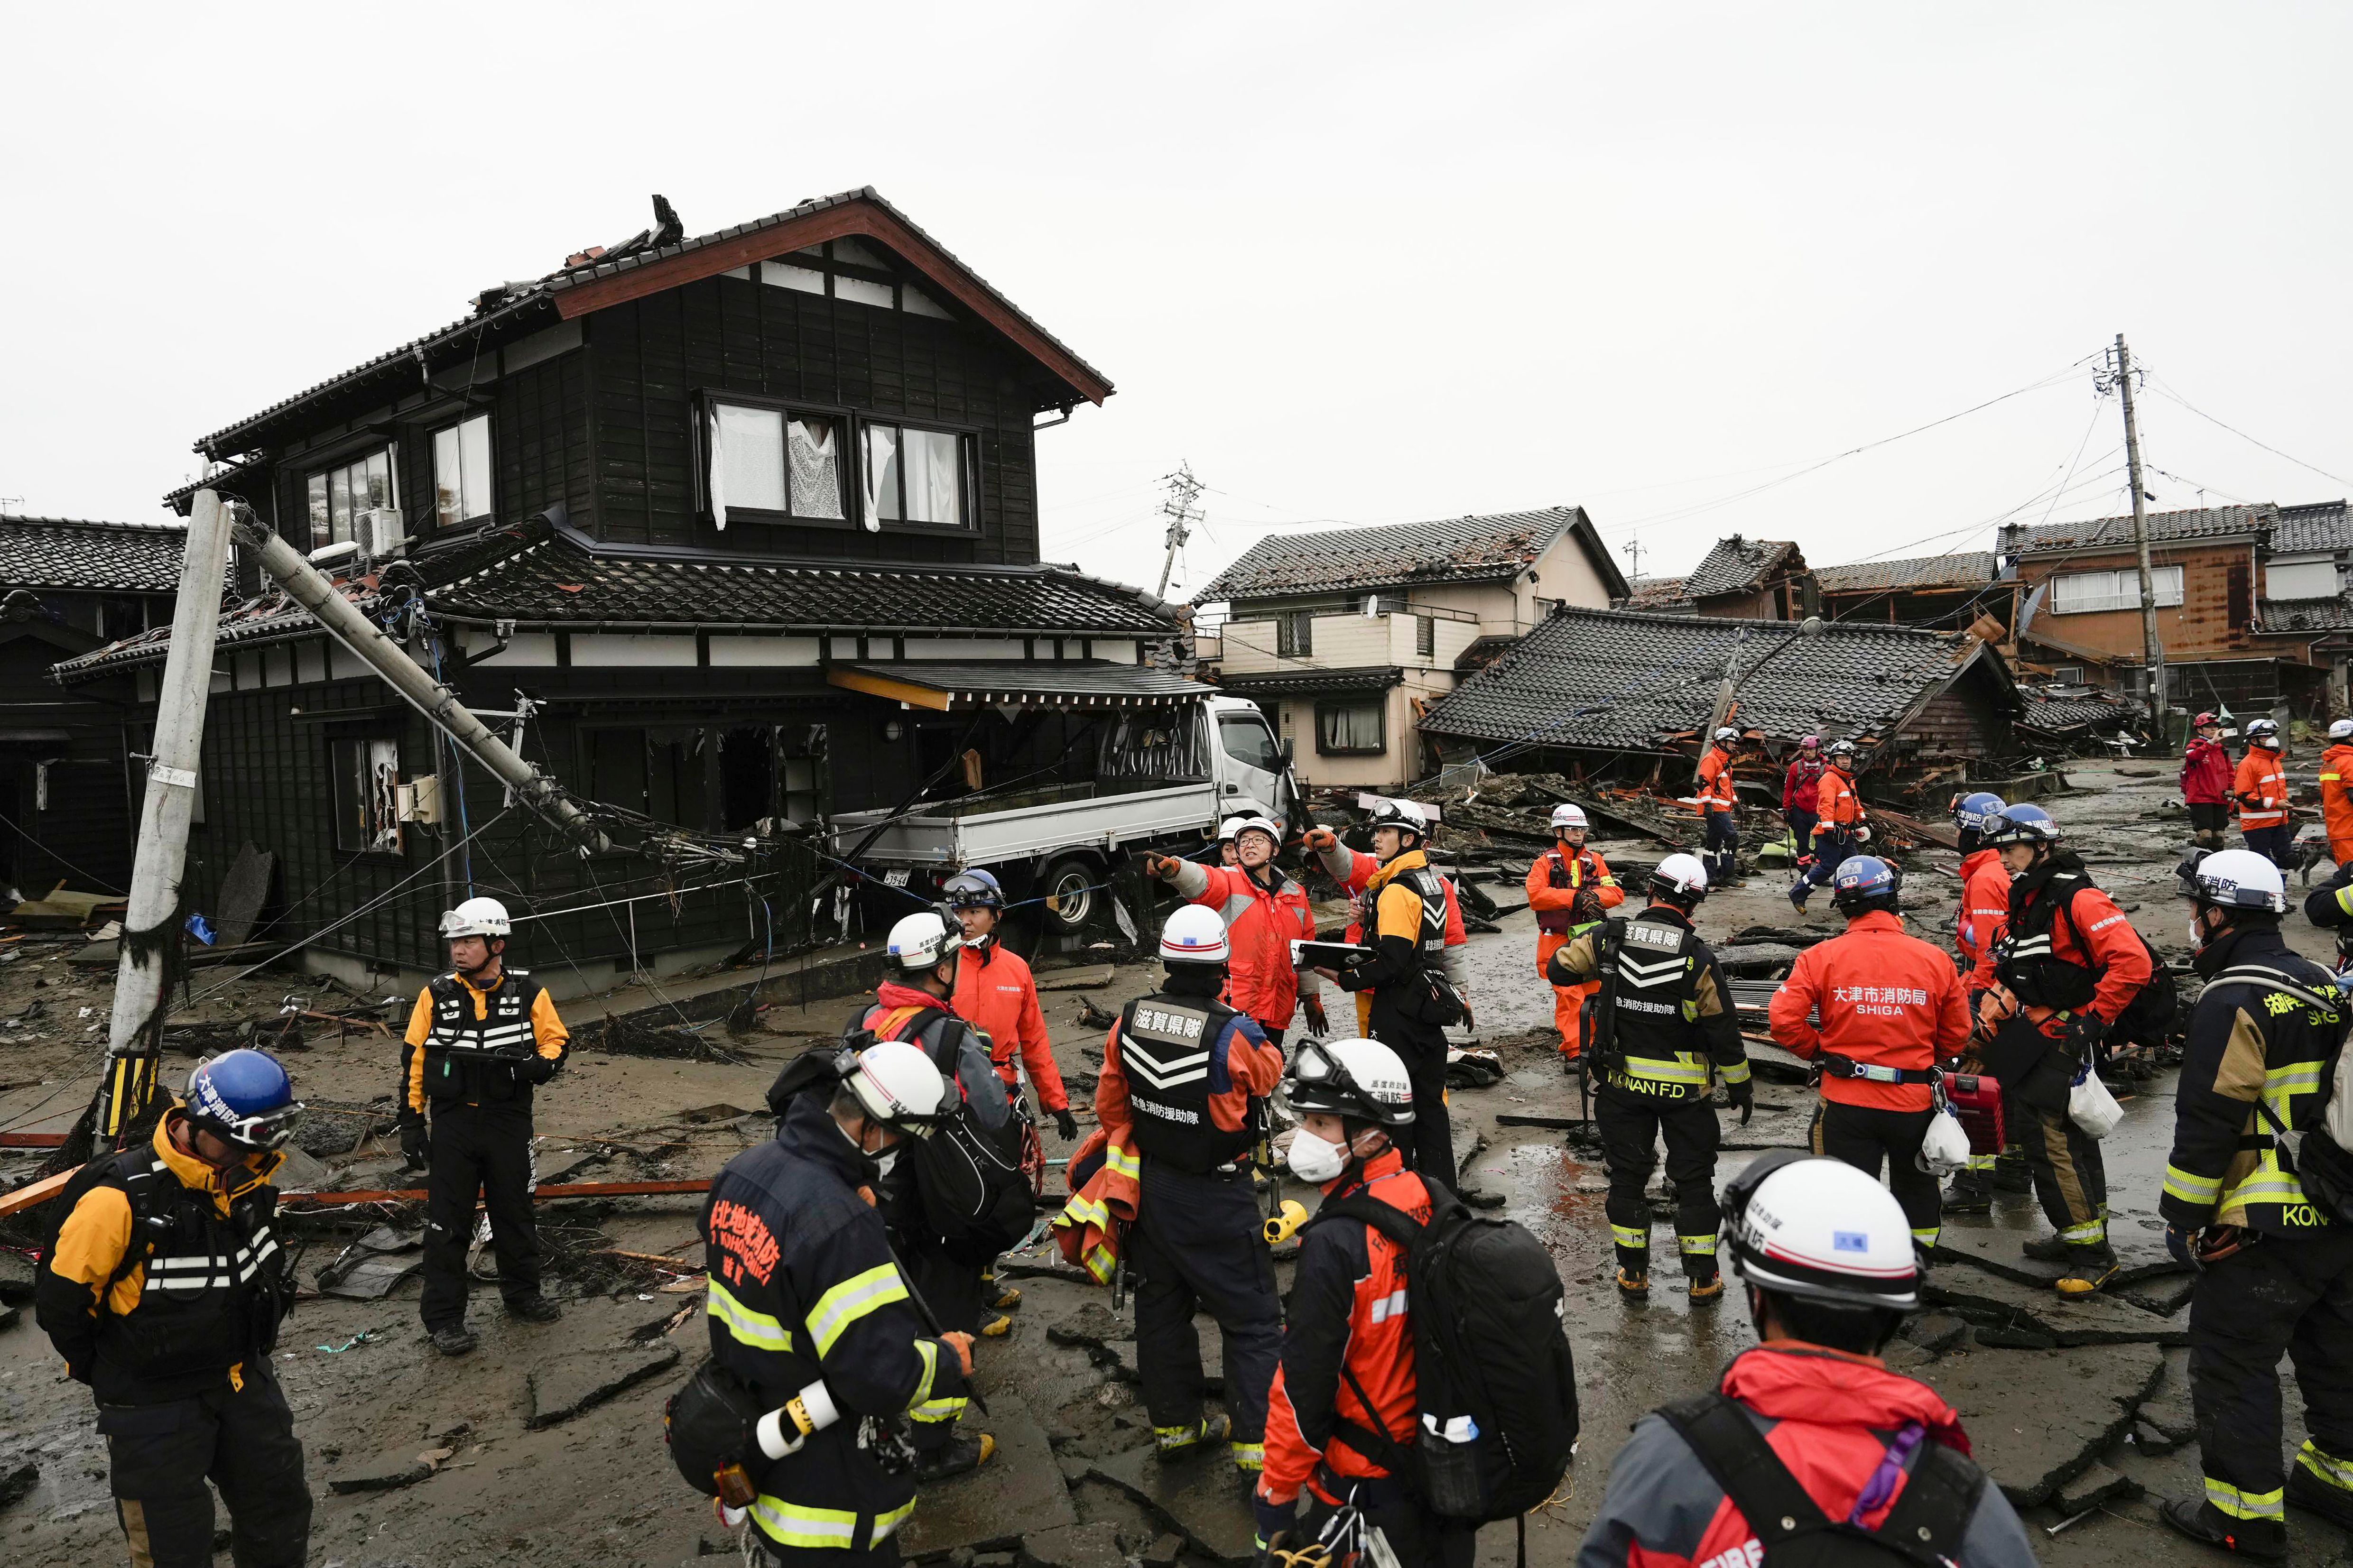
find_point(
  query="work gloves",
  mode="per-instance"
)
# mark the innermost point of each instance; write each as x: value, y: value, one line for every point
x: 1320, y: 839
x: 1586, y: 907
x: 2084, y: 1032
x: 1161, y: 868
x: 1274, y: 1520
x: 1067, y: 1125
x: 538, y: 1070
x: 1743, y: 1098
x: 413, y: 1144
x: 2183, y: 1246
x: 1862, y: 833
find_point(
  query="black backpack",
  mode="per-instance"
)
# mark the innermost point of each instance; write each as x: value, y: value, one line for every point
x: 1492, y: 1363
x: 976, y: 1197
x: 2322, y: 1165
x: 1924, y: 1527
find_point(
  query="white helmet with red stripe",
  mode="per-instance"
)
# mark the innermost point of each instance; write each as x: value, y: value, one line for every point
x: 1807, y: 1224
x: 898, y: 1086
x: 1194, y: 934
x: 1566, y: 816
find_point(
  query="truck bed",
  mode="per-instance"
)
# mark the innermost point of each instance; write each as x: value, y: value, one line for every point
x: 991, y: 833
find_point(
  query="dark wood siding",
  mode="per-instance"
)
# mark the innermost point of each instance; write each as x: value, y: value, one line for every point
x: 650, y: 359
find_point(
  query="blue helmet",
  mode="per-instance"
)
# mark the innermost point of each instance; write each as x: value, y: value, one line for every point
x: 1863, y: 883
x: 974, y: 890
x: 1975, y: 813
x: 2021, y: 825
x: 244, y: 1098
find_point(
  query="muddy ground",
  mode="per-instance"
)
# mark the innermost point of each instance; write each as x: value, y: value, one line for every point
x: 545, y: 1447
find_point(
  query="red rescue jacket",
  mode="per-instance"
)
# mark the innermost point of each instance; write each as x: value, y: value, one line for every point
x: 1347, y: 1308
x: 2206, y: 774
x: 2336, y: 797
x: 1803, y: 783
x: 1985, y: 905
x: 1836, y: 801
x: 1261, y: 923
x: 996, y: 993
x: 1554, y: 902
x: 1886, y: 999
x: 2097, y: 935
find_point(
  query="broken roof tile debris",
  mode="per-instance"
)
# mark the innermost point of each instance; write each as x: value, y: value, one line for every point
x: 1739, y: 565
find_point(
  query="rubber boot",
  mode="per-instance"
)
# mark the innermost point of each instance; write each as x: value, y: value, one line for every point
x: 2264, y: 1540
x: 1633, y: 1286
x: 2307, y: 1490
x: 2089, y: 1268
x: 1707, y: 1292
x: 2048, y: 1250
x: 456, y: 1339
x: 2011, y: 1173
x: 1177, y: 1443
x: 965, y: 1451
x: 1968, y: 1194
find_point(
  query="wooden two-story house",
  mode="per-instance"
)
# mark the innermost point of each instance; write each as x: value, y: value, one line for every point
x: 1344, y: 636
x: 732, y: 532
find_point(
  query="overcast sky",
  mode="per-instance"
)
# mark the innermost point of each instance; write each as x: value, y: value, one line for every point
x: 1360, y: 263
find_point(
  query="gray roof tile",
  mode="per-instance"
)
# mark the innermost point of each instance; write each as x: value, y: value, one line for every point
x: 104, y: 557
x: 2316, y: 526
x: 1961, y: 569
x: 1739, y: 565
x: 2167, y: 527
x: 1492, y: 549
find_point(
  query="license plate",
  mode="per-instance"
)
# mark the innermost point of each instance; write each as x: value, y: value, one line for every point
x: 895, y: 878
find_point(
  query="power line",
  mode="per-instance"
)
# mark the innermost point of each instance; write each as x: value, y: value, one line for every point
x: 2166, y: 391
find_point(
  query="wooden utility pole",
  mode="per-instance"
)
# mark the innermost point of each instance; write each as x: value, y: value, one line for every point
x: 1184, y: 490
x: 2152, y: 648
x: 133, y: 1037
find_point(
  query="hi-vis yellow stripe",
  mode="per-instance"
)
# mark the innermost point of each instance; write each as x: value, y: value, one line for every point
x: 850, y: 1300
x: 791, y: 1525
x: 760, y: 1331
x: 2240, y: 1504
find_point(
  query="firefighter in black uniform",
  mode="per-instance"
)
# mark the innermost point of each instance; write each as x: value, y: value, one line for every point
x: 2247, y: 1202
x: 1182, y: 1093
x: 1665, y: 1030
x: 481, y: 1038
x: 1403, y: 915
x: 164, y: 1294
x: 809, y: 1310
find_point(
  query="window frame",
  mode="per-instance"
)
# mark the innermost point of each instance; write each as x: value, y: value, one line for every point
x: 390, y: 452
x: 1380, y: 703
x: 846, y: 480
x: 2126, y: 599
x: 490, y: 467
x: 967, y: 441
x: 1294, y: 633
x: 1425, y: 636
x: 337, y: 784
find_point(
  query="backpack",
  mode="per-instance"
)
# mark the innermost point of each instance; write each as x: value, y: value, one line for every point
x: 1495, y: 1387
x: 2320, y: 1158
x: 1924, y: 1527
x: 976, y: 1197
x: 2148, y: 1018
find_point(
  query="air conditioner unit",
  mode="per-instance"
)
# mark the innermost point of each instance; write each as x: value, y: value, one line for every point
x: 380, y: 531
x: 418, y: 800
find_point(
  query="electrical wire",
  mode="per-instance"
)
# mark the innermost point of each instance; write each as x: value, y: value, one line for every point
x: 60, y: 859
x: 2166, y: 391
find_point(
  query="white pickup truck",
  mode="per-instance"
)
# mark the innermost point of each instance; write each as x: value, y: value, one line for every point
x: 1164, y: 779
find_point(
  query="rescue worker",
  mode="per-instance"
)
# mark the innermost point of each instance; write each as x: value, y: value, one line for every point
x: 1813, y: 1401
x: 2206, y: 777
x: 1403, y: 914
x: 1841, y: 829
x: 2260, y: 791
x: 808, y: 1307
x: 1799, y: 789
x: 2067, y: 964
x: 2276, y: 1267
x: 995, y: 993
x: 1351, y: 871
x: 164, y: 1294
x: 1984, y: 906
x: 1264, y: 911
x: 2336, y: 790
x: 1717, y: 802
x: 480, y: 1039
x: 1228, y: 853
x: 1569, y: 887
x: 1187, y: 1076
x: 913, y: 1006
x: 1664, y: 1031
x: 1347, y: 1350
x: 1892, y: 1007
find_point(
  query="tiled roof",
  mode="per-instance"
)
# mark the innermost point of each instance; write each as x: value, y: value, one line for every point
x: 2056, y: 715
x: 2165, y: 527
x: 106, y: 557
x: 1739, y: 565
x: 535, y: 298
x: 1311, y: 682
x: 1655, y: 593
x: 1961, y: 569
x: 2329, y: 615
x: 2319, y: 525
x: 1625, y: 679
x: 1486, y: 649
x: 537, y: 577
x: 1492, y: 549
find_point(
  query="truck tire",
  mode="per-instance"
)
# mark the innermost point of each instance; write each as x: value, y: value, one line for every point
x: 1069, y: 882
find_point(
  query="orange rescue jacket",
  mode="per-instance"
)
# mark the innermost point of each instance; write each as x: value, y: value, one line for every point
x: 1886, y: 1000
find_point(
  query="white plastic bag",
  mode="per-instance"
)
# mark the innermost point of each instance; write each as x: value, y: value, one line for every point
x: 1946, y: 1149
x: 2091, y: 1107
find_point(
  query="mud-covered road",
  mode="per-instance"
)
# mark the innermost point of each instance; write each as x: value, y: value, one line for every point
x: 545, y: 1447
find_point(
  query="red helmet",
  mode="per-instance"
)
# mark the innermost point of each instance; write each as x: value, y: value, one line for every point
x: 2203, y: 720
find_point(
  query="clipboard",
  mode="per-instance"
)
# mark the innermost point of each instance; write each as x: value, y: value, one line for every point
x: 1327, y: 954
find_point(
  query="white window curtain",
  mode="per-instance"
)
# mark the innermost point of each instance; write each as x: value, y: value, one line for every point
x: 815, y: 468
x: 747, y: 461
x: 933, y: 484
x: 881, y: 476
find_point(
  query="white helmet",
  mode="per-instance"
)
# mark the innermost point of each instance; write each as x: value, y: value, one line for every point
x: 1238, y: 826
x: 1194, y: 934
x: 1566, y: 816
x: 1361, y: 1080
x: 1402, y: 814
x: 2264, y: 733
x: 898, y: 1086
x: 923, y: 941
x: 2237, y: 880
x: 1807, y: 1224
x: 1725, y: 734
x: 1682, y: 876
x: 1228, y: 828
x: 476, y: 917
x: 2341, y: 729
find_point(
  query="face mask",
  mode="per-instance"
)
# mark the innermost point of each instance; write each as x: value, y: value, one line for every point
x: 1314, y: 1161
x: 885, y: 1159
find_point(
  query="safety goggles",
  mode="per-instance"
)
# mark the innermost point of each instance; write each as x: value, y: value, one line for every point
x: 269, y: 1130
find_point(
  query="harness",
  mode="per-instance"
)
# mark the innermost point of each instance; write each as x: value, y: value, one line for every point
x: 472, y: 1057
x: 1838, y: 1065
x: 1168, y: 1049
x: 1646, y: 969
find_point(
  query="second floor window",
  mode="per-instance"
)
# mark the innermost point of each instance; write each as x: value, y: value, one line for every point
x: 336, y: 495
x: 778, y: 463
x: 2080, y: 593
x: 1294, y: 633
x: 914, y: 475
x: 462, y: 472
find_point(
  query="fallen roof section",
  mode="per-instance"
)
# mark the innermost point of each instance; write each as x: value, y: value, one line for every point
x: 1739, y: 565
x: 1491, y: 548
x: 1629, y: 680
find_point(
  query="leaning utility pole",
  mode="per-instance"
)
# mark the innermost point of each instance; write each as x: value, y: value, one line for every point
x: 134, y: 1036
x: 2152, y: 650
x: 1179, y: 508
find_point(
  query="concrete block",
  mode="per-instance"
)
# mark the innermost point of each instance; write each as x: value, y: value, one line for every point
x: 1019, y: 1489
x: 1200, y: 1499
x: 2093, y: 1487
x: 1072, y: 1546
x: 385, y: 1472
x: 2084, y: 1400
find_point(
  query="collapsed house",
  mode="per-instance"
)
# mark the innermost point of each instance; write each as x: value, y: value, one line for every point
x: 1621, y: 695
